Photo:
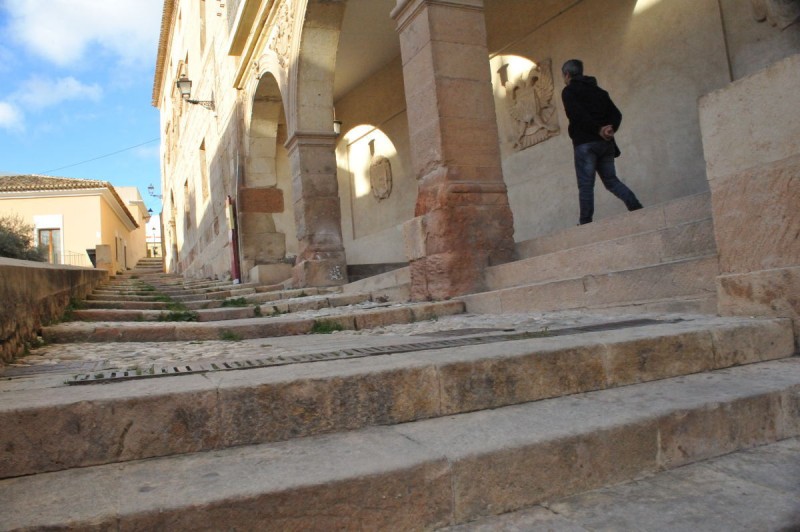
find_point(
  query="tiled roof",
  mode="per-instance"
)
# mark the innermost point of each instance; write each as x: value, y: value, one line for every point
x: 34, y: 182
x: 167, y: 18
x: 19, y: 183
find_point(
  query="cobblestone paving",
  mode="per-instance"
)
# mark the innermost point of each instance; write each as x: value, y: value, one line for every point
x: 94, y: 356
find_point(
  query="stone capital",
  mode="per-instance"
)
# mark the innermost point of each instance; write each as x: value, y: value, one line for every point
x: 407, y: 10
x: 313, y: 139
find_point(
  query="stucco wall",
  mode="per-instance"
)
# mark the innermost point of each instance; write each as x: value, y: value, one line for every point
x: 80, y: 217
x: 33, y: 294
x: 375, y: 112
x: 655, y: 61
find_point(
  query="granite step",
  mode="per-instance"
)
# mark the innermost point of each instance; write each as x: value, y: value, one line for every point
x: 425, y: 474
x: 260, y: 327
x: 690, y: 280
x: 216, y: 409
x: 753, y: 489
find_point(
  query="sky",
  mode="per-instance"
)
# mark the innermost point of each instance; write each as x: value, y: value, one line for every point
x: 76, y: 80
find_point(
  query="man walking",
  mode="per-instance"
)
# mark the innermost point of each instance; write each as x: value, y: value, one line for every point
x: 593, y: 121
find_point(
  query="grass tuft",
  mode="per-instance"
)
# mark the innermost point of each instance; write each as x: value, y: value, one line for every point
x: 325, y: 327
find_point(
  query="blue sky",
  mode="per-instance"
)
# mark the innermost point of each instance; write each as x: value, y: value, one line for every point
x: 76, y: 79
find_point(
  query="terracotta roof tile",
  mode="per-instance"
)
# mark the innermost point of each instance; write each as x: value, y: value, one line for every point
x: 18, y: 183
x: 34, y: 182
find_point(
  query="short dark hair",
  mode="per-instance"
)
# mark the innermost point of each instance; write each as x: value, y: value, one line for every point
x: 573, y: 67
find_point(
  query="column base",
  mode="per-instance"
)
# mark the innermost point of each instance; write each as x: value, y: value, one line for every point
x: 328, y: 270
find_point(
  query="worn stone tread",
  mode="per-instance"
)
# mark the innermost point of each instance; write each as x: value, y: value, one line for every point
x: 48, y: 428
x: 430, y: 473
x: 260, y: 327
x: 755, y: 489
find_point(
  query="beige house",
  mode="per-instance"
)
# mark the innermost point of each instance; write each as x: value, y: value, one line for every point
x: 75, y: 217
x: 313, y: 135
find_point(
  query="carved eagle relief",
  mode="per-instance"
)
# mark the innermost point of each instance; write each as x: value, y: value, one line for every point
x: 530, y: 104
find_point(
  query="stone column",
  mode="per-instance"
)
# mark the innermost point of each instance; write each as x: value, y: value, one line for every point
x: 751, y: 139
x: 463, y: 220
x: 317, y: 213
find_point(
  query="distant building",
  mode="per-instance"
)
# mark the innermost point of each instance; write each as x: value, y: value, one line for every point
x: 71, y: 217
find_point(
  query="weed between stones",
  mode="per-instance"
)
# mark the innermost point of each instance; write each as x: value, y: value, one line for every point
x: 325, y: 327
x: 179, y: 315
x: 238, y: 302
x: 230, y: 336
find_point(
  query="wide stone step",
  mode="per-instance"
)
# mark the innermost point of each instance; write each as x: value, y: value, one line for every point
x: 220, y: 311
x: 261, y: 327
x: 691, y: 279
x: 651, y: 218
x: 425, y: 474
x: 151, y: 305
x: 690, y: 239
x: 218, y: 409
x: 754, y: 489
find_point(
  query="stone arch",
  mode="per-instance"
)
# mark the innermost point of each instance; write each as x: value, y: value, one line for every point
x: 311, y: 143
x: 266, y: 222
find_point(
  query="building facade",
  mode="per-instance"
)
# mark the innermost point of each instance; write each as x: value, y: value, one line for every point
x: 74, y: 218
x: 330, y: 133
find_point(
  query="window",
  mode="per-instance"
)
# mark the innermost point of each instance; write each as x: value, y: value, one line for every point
x: 203, y: 170
x: 50, y: 242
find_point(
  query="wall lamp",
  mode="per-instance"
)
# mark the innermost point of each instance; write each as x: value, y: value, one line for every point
x: 152, y: 191
x: 184, y: 85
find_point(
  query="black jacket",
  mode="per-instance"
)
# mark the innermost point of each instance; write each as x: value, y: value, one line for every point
x: 588, y: 108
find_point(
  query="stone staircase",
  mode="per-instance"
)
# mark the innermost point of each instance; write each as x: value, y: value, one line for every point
x: 407, y: 432
x: 145, y: 305
x: 661, y: 258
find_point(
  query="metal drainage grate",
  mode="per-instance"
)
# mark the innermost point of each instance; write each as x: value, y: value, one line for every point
x: 360, y: 352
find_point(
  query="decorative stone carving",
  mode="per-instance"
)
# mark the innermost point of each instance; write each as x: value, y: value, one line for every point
x: 380, y: 174
x: 280, y: 39
x: 530, y: 104
x: 779, y: 13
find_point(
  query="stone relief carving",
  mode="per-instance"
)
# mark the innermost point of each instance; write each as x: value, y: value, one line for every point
x: 380, y: 174
x: 779, y: 13
x: 530, y: 103
x: 280, y: 39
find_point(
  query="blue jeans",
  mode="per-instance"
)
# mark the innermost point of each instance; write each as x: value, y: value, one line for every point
x: 598, y: 158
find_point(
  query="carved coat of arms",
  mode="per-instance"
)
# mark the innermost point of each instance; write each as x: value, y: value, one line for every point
x: 380, y: 174
x: 530, y: 104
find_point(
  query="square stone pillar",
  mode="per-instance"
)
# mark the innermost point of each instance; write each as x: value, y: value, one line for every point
x: 317, y: 212
x: 463, y: 220
x: 751, y: 138
x: 104, y: 259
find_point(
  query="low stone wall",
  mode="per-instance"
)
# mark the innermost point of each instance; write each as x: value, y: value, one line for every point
x: 33, y: 294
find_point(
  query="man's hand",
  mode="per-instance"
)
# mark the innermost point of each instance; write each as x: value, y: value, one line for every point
x: 607, y: 132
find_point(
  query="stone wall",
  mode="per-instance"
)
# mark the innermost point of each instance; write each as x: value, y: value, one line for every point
x: 33, y: 294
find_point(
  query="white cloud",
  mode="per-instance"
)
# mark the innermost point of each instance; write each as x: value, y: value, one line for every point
x: 38, y: 92
x: 10, y: 117
x: 62, y: 31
